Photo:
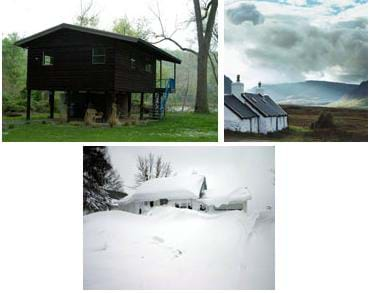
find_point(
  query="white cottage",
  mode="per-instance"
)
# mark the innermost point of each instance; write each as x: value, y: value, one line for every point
x: 188, y: 192
x: 255, y: 113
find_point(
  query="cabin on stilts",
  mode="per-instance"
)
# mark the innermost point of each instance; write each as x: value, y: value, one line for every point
x: 96, y: 69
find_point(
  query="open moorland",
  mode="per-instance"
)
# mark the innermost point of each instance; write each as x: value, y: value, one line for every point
x: 350, y: 125
x: 175, y: 127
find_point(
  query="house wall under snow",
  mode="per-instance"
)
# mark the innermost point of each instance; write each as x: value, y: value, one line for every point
x: 144, y: 206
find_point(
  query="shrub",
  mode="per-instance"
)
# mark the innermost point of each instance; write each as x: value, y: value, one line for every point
x: 325, y: 120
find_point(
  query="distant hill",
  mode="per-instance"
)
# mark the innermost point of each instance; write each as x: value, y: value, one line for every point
x: 359, y: 92
x: 357, y: 98
x: 314, y: 93
x: 227, y: 85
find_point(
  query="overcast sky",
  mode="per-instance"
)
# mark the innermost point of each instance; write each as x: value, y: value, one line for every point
x: 31, y: 16
x: 295, y: 40
x: 225, y: 168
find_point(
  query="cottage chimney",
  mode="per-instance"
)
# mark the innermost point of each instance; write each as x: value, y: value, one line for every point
x: 259, y: 89
x: 237, y: 88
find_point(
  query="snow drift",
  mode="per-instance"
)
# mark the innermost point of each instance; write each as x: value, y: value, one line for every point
x: 173, y: 248
x: 214, y: 197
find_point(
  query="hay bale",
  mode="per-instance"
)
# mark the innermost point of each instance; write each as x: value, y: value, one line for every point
x: 113, y: 118
x: 89, y: 117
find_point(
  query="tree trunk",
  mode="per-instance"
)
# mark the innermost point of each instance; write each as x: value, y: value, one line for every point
x: 201, y: 103
x: 204, y: 41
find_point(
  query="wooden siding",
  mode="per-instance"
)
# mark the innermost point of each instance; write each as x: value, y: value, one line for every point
x: 73, y: 68
x: 133, y: 80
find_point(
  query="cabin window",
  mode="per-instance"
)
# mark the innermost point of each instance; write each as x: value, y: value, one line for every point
x: 163, y: 201
x: 151, y: 204
x: 132, y: 63
x: 98, y: 56
x: 47, y: 60
x: 148, y: 67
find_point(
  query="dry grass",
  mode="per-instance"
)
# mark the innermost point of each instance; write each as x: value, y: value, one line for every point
x: 351, y: 125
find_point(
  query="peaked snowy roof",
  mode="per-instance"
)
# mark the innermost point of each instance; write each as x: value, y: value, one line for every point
x: 216, y: 198
x: 177, y: 187
x: 237, y: 107
x: 264, y: 104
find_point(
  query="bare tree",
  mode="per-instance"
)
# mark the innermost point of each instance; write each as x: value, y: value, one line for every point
x: 150, y: 167
x: 205, y: 19
x: 87, y: 17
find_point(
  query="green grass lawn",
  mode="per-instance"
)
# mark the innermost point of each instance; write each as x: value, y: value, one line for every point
x: 175, y: 127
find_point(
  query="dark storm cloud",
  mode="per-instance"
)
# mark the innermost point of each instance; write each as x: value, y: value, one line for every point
x: 294, y: 47
x: 245, y: 12
x: 360, y: 23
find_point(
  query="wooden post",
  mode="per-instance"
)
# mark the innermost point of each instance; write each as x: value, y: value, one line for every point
x: 153, y: 104
x: 51, y: 104
x: 129, y: 104
x: 28, y: 115
x: 160, y: 73
x: 174, y: 71
x: 108, y: 106
x: 68, y: 102
x: 142, y: 106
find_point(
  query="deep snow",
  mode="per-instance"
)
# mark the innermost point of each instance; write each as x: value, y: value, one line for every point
x: 174, y: 187
x: 172, y: 248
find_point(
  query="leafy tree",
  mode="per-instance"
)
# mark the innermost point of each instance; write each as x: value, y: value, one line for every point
x: 150, y: 167
x: 14, y: 79
x: 14, y: 73
x: 99, y: 178
x: 138, y: 28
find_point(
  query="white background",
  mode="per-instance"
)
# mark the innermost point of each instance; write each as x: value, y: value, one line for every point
x: 322, y: 214
x: 322, y: 217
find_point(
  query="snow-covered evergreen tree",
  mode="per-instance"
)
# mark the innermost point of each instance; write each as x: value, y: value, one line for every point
x: 99, y: 178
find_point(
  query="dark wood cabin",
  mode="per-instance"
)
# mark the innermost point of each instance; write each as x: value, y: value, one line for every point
x: 95, y: 69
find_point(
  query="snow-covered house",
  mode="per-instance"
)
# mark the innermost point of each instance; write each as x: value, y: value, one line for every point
x: 182, y: 192
x: 248, y: 112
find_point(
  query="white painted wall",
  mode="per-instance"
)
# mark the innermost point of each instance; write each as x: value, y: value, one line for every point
x: 235, y: 123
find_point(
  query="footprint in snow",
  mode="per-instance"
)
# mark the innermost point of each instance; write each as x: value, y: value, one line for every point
x: 176, y: 252
x: 158, y: 239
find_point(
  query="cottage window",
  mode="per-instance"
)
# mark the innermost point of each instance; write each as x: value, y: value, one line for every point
x: 47, y: 60
x: 98, y: 56
x: 133, y: 63
x: 163, y: 201
x: 148, y: 67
